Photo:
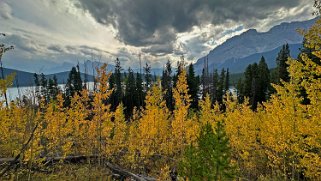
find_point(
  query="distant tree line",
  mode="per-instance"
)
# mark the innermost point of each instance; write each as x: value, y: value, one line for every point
x: 130, y: 88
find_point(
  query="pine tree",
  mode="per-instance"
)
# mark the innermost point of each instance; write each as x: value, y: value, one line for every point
x: 44, y: 87
x: 211, y: 159
x: 112, y: 99
x: 148, y: 76
x: 240, y: 90
x: 282, y: 66
x: 167, y: 85
x: 193, y: 87
x: 74, y: 85
x: 139, y: 93
x: 37, y: 85
x: 214, y: 91
x: 264, y: 80
x: 248, y: 81
x: 254, y: 86
x: 130, y: 93
x: 119, y: 90
x: 52, y: 88
x: 227, y: 81
x: 221, y: 87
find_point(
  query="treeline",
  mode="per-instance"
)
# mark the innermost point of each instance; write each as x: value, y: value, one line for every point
x: 258, y: 79
x: 130, y: 88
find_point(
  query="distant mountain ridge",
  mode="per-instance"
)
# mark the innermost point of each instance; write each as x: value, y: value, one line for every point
x: 24, y: 79
x: 239, y: 65
x: 89, y: 67
x: 252, y: 42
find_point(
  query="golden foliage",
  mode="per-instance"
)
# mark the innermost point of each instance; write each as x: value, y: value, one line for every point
x: 281, y: 138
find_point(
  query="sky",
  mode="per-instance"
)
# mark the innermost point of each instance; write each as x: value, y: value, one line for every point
x: 48, y: 33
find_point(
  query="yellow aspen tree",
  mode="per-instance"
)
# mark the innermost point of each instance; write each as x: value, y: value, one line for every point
x: 153, y: 127
x: 15, y: 127
x: 119, y: 134
x: 242, y: 127
x: 58, y: 129
x: 101, y: 121
x: 77, y: 118
x: 6, y: 82
x: 37, y: 150
x: 182, y: 103
x: 132, y: 155
x: 7, y: 146
x: 207, y: 113
x: 306, y: 73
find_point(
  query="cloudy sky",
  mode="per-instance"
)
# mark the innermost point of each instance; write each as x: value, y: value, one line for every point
x: 48, y: 33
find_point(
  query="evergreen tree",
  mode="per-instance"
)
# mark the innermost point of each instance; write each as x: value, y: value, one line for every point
x: 130, y: 93
x: 282, y: 66
x: 53, y: 88
x: 247, y: 84
x: 119, y: 90
x: 180, y: 68
x: 240, y: 90
x: 139, y: 96
x: 148, y: 76
x: 211, y: 159
x: 167, y: 85
x: 254, y: 86
x: 78, y: 81
x: 43, y: 86
x: 264, y: 80
x: 74, y: 85
x: 221, y: 87
x: 214, y: 89
x: 192, y: 86
x: 227, y: 80
x: 37, y: 84
x: 112, y: 98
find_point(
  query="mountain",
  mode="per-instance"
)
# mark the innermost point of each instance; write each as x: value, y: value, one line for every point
x: 24, y: 79
x: 62, y: 77
x: 238, y: 65
x: 253, y: 42
x: 88, y: 67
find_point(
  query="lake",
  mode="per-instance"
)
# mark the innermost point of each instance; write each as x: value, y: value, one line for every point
x: 15, y: 92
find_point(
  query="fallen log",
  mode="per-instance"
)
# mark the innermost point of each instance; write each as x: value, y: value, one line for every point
x: 127, y: 174
x: 82, y: 158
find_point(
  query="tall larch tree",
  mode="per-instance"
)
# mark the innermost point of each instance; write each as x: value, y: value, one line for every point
x: 101, y: 125
x: 153, y: 127
x: 182, y: 104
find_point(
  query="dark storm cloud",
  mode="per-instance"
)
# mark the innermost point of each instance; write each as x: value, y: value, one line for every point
x: 159, y: 49
x: 147, y: 22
